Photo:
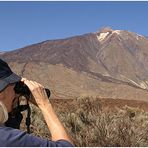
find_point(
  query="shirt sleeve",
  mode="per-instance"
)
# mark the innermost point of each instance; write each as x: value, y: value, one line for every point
x: 14, y: 138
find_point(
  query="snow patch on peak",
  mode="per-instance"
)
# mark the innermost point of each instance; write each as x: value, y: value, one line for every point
x: 140, y: 35
x: 117, y: 31
x: 137, y: 36
x: 102, y: 36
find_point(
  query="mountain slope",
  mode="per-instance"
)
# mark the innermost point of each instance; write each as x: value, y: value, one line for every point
x: 106, y: 64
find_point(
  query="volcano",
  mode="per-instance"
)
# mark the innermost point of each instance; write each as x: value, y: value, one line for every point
x: 107, y: 64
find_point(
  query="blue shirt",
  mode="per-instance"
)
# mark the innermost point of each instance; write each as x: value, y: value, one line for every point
x: 10, y: 137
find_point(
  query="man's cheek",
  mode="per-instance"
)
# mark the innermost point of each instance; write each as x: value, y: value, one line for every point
x: 15, y: 102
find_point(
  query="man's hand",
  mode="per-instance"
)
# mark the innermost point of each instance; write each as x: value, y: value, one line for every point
x: 38, y: 94
x: 56, y: 128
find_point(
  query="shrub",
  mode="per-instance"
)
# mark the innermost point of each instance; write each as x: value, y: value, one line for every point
x: 91, y: 125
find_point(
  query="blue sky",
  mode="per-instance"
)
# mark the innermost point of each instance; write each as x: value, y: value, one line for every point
x: 26, y: 23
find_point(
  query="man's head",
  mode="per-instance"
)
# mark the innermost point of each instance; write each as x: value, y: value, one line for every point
x: 7, y: 83
x: 7, y: 76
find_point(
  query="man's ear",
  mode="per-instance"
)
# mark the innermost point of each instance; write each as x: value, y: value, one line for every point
x: 3, y: 113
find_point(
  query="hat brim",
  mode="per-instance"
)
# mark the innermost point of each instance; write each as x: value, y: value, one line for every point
x: 13, y: 78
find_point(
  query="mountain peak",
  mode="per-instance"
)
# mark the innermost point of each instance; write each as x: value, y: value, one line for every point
x: 105, y: 30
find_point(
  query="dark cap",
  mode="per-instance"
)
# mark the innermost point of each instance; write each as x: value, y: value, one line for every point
x: 7, y: 76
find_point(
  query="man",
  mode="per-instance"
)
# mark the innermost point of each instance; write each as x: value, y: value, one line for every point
x: 14, y: 137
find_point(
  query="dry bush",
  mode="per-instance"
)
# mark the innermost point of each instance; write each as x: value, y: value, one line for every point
x: 91, y: 125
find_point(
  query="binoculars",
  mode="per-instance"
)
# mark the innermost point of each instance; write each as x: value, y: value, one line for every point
x: 22, y: 89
